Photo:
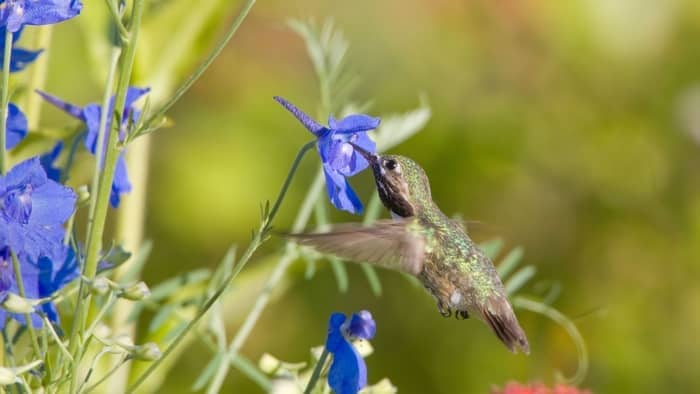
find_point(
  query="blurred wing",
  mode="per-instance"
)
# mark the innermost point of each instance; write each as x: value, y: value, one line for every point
x: 390, y: 244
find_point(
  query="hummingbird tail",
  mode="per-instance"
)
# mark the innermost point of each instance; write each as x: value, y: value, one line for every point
x: 500, y: 316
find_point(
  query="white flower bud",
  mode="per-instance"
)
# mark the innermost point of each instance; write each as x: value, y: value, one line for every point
x: 16, y: 304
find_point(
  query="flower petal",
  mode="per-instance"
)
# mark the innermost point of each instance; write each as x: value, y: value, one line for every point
x: 70, y: 109
x: 362, y: 325
x: 313, y: 126
x: 16, y: 126
x: 47, y: 161
x: 121, y: 184
x: 353, y: 124
x: 21, y: 58
x: 133, y: 94
x: 348, y: 372
x: 340, y: 193
x: 17, y: 13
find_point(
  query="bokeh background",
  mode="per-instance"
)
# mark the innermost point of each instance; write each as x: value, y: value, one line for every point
x: 570, y: 128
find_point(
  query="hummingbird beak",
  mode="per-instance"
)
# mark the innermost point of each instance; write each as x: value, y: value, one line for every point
x: 372, y: 158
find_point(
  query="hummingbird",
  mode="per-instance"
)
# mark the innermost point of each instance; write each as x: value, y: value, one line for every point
x: 422, y: 241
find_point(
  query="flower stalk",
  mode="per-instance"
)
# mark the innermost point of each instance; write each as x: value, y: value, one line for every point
x: 106, y: 177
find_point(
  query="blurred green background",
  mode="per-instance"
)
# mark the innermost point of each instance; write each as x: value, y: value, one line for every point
x: 571, y: 128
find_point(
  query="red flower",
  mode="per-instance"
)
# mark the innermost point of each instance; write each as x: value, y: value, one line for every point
x: 537, y: 388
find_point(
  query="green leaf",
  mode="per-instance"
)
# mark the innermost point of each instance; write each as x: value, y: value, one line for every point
x: 116, y: 256
x: 491, y: 248
x: 510, y: 262
x: 519, y: 279
x: 397, y: 128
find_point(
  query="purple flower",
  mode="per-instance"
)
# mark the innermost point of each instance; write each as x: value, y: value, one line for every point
x: 16, y: 126
x: 16, y: 13
x: 348, y: 372
x: 41, y: 279
x: 338, y: 157
x: 90, y: 115
x: 33, y: 209
x: 20, y: 58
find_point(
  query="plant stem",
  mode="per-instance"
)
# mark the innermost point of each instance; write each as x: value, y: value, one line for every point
x: 264, y: 296
x: 4, y: 99
x: 247, y: 6
x: 259, y: 238
x: 27, y: 316
x: 106, y: 178
x: 317, y: 372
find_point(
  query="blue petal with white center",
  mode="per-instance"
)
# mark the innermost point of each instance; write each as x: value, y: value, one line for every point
x: 33, y: 209
x: 339, y: 157
x: 348, y: 372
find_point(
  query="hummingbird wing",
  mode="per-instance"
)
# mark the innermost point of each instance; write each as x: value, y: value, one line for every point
x: 394, y: 244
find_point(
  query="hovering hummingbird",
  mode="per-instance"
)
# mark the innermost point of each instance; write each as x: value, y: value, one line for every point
x: 423, y: 242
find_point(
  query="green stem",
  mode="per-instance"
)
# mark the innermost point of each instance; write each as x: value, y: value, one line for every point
x: 27, y: 316
x: 317, y: 372
x: 247, y: 6
x: 568, y: 325
x: 106, y: 178
x: 258, y: 239
x: 264, y: 296
x: 4, y: 99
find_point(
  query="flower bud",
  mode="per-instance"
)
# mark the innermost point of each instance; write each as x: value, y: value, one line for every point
x: 147, y: 352
x: 83, y: 194
x: 124, y: 341
x: 100, y: 286
x: 16, y: 304
x: 137, y: 292
x: 7, y: 376
x: 268, y: 363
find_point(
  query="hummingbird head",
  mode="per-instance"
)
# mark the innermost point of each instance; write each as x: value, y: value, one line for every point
x: 401, y: 183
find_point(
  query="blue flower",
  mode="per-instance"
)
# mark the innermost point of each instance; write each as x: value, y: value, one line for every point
x: 16, y: 13
x: 16, y: 126
x: 348, y: 372
x: 33, y: 209
x: 90, y: 115
x: 338, y: 157
x: 47, y: 161
x: 20, y: 58
x: 41, y: 279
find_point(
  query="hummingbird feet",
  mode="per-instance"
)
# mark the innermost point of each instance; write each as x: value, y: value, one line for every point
x: 462, y: 315
x: 444, y: 310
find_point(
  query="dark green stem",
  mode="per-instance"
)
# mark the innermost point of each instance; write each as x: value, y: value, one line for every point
x: 317, y: 372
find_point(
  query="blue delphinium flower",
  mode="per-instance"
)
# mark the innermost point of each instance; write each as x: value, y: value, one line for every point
x: 348, y: 372
x: 90, y: 115
x: 20, y: 57
x: 47, y: 161
x: 16, y: 126
x: 33, y: 209
x: 338, y: 157
x: 41, y: 279
x: 16, y: 13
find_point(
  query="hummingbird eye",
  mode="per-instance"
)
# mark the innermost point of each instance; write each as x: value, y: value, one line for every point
x: 390, y: 164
